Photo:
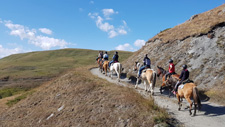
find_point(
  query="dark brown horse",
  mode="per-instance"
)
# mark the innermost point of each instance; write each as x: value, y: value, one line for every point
x: 170, y: 82
x: 189, y: 90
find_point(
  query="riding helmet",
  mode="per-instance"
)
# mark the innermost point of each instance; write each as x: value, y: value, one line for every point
x: 170, y: 61
x: 116, y: 52
x: 106, y: 52
x: 184, y: 66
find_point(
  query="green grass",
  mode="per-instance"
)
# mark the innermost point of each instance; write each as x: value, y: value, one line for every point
x: 49, y: 63
x: 19, y: 98
x: 7, y: 92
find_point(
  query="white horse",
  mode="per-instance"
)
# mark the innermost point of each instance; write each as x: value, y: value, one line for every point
x: 148, y: 75
x: 117, y: 67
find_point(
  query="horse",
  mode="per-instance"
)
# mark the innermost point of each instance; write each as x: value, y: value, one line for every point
x: 99, y: 61
x: 105, y: 66
x: 148, y: 75
x: 189, y: 90
x: 117, y: 67
x: 170, y: 82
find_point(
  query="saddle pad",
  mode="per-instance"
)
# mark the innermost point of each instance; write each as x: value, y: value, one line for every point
x: 181, y: 86
x: 146, y: 69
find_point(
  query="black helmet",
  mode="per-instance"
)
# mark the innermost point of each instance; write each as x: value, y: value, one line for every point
x: 184, y: 66
x: 170, y: 61
x: 116, y: 52
x: 146, y: 55
x: 106, y: 52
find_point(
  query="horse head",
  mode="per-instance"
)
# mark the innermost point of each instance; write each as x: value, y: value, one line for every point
x: 160, y: 71
x: 136, y: 66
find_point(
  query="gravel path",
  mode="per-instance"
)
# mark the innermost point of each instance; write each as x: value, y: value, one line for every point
x: 211, y: 115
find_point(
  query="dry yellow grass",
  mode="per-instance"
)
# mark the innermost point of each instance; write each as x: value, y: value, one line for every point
x: 86, y: 101
x: 201, y: 24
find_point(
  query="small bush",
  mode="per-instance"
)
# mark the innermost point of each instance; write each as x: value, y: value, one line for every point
x: 7, y: 92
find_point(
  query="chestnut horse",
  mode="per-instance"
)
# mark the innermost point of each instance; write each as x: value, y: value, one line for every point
x: 189, y: 90
x: 99, y: 61
x: 149, y: 75
x: 170, y: 82
x: 105, y: 66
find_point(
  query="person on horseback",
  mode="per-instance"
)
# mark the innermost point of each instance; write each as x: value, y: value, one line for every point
x: 147, y: 64
x: 115, y: 58
x: 171, y: 69
x: 105, y: 56
x: 183, y: 77
x: 100, y: 55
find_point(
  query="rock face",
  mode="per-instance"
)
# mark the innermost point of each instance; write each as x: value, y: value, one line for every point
x: 202, y: 52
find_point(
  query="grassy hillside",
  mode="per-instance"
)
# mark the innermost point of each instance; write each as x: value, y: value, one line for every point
x: 29, y: 70
x: 197, y: 25
x: 49, y: 63
x: 78, y: 98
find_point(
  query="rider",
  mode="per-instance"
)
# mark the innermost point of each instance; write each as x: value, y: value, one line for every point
x: 105, y: 57
x: 183, y: 76
x: 115, y: 58
x: 147, y: 64
x: 100, y: 55
x: 171, y: 69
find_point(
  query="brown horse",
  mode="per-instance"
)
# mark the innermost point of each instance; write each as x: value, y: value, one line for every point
x: 189, y: 90
x: 170, y: 82
x: 99, y: 61
x: 105, y: 66
x: 149, y: 76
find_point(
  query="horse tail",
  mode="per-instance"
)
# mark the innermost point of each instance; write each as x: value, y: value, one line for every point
x: 196, y: 97
x: 154, y: 79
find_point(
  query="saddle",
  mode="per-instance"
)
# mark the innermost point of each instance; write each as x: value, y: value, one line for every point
x: 187, y: 81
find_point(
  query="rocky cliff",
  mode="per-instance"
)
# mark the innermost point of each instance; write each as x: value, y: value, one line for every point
x: 199, y: 42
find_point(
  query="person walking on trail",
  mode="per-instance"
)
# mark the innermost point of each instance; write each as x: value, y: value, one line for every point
x: 115, y: 58
x: 147, y: 64
x: 171, y: 69
x: 183, y: 77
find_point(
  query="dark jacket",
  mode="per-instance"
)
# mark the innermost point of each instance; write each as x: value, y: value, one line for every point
x: 147, y: 61
x: 115, y: 58
x: 184, y: 75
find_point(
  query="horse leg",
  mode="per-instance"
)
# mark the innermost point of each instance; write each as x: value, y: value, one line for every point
x: 136, y: 83
x: 151, y: 89
x: 179, y: 102
x: 145, y: 85
x: 195, y: 106
x: 190, y: 102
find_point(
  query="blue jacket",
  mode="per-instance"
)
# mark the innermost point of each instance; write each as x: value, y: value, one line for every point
x: 147, y: 61
x: 184, y: 75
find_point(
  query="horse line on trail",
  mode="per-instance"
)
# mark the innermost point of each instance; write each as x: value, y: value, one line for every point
x: 211, y: 114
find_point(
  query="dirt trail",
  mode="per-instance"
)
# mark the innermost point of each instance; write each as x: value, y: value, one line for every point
x: 211, y: 115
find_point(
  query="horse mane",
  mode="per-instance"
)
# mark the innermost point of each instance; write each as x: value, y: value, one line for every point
x: 163, y: 71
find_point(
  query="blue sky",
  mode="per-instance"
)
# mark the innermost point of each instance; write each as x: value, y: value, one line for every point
x: 37, y: 25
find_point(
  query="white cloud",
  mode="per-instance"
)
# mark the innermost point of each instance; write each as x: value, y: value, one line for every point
x: 92, y: 2
x: 103, y: 26
x: 139, y: 43
x: 40, y: 41
x: 106, y: 26
x: 6, y: 52
x: 45, y: 31
x: 108, y: 12
x: 125, y: 47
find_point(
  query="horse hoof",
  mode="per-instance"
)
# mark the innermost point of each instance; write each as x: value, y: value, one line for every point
x: 178, y: 109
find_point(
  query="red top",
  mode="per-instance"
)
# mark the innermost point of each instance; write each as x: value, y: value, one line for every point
x: 171, y: 68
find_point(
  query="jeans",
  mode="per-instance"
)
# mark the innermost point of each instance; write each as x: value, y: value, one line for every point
x: 140, y: 70
x: 110, y: 63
